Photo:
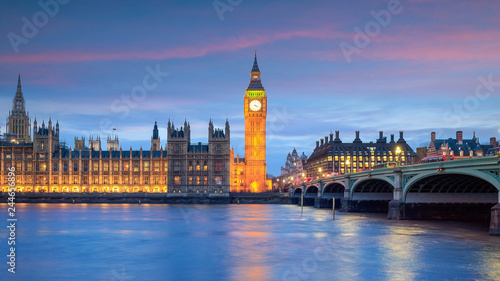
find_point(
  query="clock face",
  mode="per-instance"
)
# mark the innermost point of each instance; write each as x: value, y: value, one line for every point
x: 255, y: 105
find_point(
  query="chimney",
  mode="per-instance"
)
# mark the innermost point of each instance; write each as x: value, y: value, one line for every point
x: 392, y: 138
x: 381, y: 134
x: 357, y: 134
x: 331, y: 137
x: 317, y: 144
x: 493, y: 142
x: 337, y: 134
x: 401, y: 137
x: 460, y: 137
x: 321, y: 142
x: 433, y: 136
x: 326, y: 139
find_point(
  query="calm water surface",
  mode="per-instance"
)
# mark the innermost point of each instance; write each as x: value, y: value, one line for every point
x: 240, y: 242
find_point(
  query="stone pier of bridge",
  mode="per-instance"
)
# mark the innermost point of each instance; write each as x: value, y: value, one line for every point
x: 495, y: 218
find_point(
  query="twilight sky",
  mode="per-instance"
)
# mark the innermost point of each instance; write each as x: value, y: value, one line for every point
x: 326, y: 65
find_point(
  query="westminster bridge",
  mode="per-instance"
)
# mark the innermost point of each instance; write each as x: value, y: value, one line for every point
x: 465, y: 189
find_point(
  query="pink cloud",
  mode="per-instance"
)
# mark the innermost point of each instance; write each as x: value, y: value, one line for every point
x: 222, y: 45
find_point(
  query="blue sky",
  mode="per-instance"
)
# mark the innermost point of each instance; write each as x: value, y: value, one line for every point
x: 422, y: 69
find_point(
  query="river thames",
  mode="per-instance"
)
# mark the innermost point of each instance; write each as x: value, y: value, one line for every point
x: 240, y: 242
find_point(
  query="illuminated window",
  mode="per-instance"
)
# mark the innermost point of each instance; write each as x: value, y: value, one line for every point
x: 177, y: 180
x: 29, y: 167
x: 156, y: 166
x: 190, y: 180
x: 218, y: 180
x: 205, y: 180
x: 198, y: 167
x: 198, y: 180
x: 146, y: 179
x: 136, y: 166
x: 146, y: 166
x: 126, y: 167
x: 115, y: 166
x: 105, y: 166
x: 205, y: 166
x: 190, y: 167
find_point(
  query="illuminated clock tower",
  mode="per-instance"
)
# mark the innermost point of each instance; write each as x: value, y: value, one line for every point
x: 255, y: 133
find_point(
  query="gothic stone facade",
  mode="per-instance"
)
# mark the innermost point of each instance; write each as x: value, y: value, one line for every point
x: 198, y: 168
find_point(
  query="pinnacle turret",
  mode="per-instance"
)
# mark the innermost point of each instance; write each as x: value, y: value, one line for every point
x: 255, y: 82
x: 19, y: 84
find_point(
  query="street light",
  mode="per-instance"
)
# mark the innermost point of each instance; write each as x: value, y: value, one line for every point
x: 398, y: 152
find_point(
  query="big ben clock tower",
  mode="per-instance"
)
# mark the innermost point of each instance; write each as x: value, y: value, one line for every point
x: 255, y: 106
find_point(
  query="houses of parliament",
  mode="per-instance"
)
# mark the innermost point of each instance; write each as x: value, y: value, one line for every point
x: 45, y: 164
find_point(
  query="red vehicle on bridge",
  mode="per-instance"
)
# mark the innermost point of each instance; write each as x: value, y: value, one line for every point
x: 440, y: 158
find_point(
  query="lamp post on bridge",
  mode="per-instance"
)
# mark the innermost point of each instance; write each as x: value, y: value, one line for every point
x: 398, y: 152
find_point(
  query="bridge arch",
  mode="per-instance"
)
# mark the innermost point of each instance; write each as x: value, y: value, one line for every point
x: 455, y: 186
x: 333, y: 190
x: 311, y: 191
x: 373, y: 188
x: 297, y: 192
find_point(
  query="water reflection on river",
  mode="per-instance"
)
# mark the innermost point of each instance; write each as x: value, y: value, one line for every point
x: 241, y: 242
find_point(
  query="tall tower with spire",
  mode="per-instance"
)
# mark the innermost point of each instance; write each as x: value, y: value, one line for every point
x: 255, y: 107
x: 18, y: 122
x: 155, y: 139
